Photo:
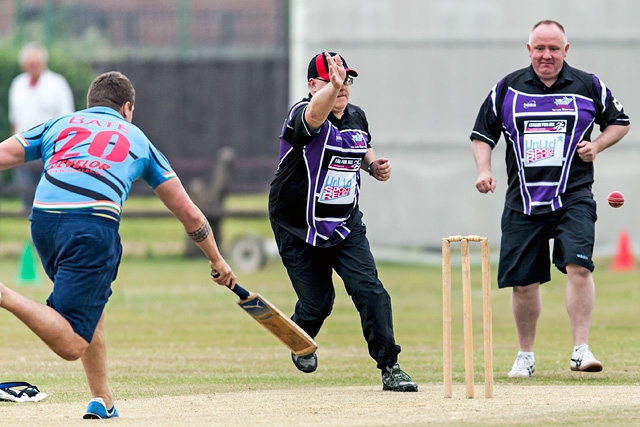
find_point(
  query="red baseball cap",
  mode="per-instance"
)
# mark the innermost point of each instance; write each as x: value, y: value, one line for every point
x: 319, y: 68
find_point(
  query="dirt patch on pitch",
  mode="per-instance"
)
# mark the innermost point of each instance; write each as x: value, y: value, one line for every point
x: 358, y: 406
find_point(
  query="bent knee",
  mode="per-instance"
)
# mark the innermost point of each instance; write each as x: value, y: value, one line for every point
x: 70, y: 355
x: 73, y: 351
x: 321, y: 312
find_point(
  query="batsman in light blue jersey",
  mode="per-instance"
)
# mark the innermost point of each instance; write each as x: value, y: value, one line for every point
x: 91, y: 159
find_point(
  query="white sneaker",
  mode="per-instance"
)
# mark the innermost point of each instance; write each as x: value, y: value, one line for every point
x: 523, y: 367
x: 584, y: 361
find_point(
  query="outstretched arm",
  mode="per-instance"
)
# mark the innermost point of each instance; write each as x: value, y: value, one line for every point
x: 11, y: 153
x: 175, y: 197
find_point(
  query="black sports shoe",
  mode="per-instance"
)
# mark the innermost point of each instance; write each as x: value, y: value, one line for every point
x: 395, y: 379
x: 307, y: 363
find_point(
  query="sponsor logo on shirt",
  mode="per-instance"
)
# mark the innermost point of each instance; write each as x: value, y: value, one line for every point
x: 339, y: 186
x: 564, y: 104
x: 344, y: 164
x: 545, y: 126
x: 537, y: 154
x: 544, y: 142
x: 336, y: 188
x: 617, y: 104
x: 357, y: 138
x: 94, y: 167
x: 529, y: 104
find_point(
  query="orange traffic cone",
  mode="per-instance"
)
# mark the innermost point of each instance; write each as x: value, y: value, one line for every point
x: 623, y: 259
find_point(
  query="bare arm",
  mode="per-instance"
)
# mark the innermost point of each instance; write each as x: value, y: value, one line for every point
x: 611, y: 135
x: 11, y: 153
x: 176, y: 199
x: 323, y: 100
x: 380, y: 168
x: 482, y: 154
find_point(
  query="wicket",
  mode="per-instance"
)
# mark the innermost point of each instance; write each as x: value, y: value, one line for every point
x: 467, y: 314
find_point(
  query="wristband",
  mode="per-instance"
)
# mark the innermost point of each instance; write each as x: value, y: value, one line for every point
x: 370, y: 169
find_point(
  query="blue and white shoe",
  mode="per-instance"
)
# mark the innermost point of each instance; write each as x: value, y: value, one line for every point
x: 97, y: 410
x: 20, y: 391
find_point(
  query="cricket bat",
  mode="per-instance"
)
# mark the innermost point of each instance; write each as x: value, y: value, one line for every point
x: 275, y: 321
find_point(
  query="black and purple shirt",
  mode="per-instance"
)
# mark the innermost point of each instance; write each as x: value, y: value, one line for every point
x: 542, y: 126
x: 315, y: 192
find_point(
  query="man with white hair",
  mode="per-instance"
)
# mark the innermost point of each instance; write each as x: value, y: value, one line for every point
x: 35, y: 96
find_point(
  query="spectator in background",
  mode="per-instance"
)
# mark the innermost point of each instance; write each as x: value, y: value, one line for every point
x: 35, y: 96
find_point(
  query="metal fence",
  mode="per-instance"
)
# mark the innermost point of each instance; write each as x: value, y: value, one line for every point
x: 149, y: 28
x: 208, y: 73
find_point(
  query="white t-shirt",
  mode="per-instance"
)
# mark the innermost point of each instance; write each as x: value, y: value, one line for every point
x: 31, y: 105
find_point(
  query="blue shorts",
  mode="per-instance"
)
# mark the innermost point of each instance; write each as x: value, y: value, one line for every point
x: 80, y: 254
x: 524, y: 247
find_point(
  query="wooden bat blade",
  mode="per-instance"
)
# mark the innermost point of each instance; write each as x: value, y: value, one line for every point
x: 276, y: 322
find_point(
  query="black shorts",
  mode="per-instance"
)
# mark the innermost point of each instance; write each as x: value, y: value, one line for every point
x: 524, y: 247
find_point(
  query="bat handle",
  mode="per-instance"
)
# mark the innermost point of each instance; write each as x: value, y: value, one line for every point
x: 240, y: 291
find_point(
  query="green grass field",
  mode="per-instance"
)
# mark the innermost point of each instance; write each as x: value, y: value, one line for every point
x: 171, y: 331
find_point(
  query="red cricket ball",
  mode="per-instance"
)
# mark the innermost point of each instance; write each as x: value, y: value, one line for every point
x: 615, y: 199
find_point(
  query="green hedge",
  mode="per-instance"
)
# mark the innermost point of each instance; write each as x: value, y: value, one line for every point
x: 9, y: 68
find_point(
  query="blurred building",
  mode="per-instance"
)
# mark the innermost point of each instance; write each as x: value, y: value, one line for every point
x: 214, y: 73
x: 154, y: 27
x: 426, y: 66
x: 208, y: 73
